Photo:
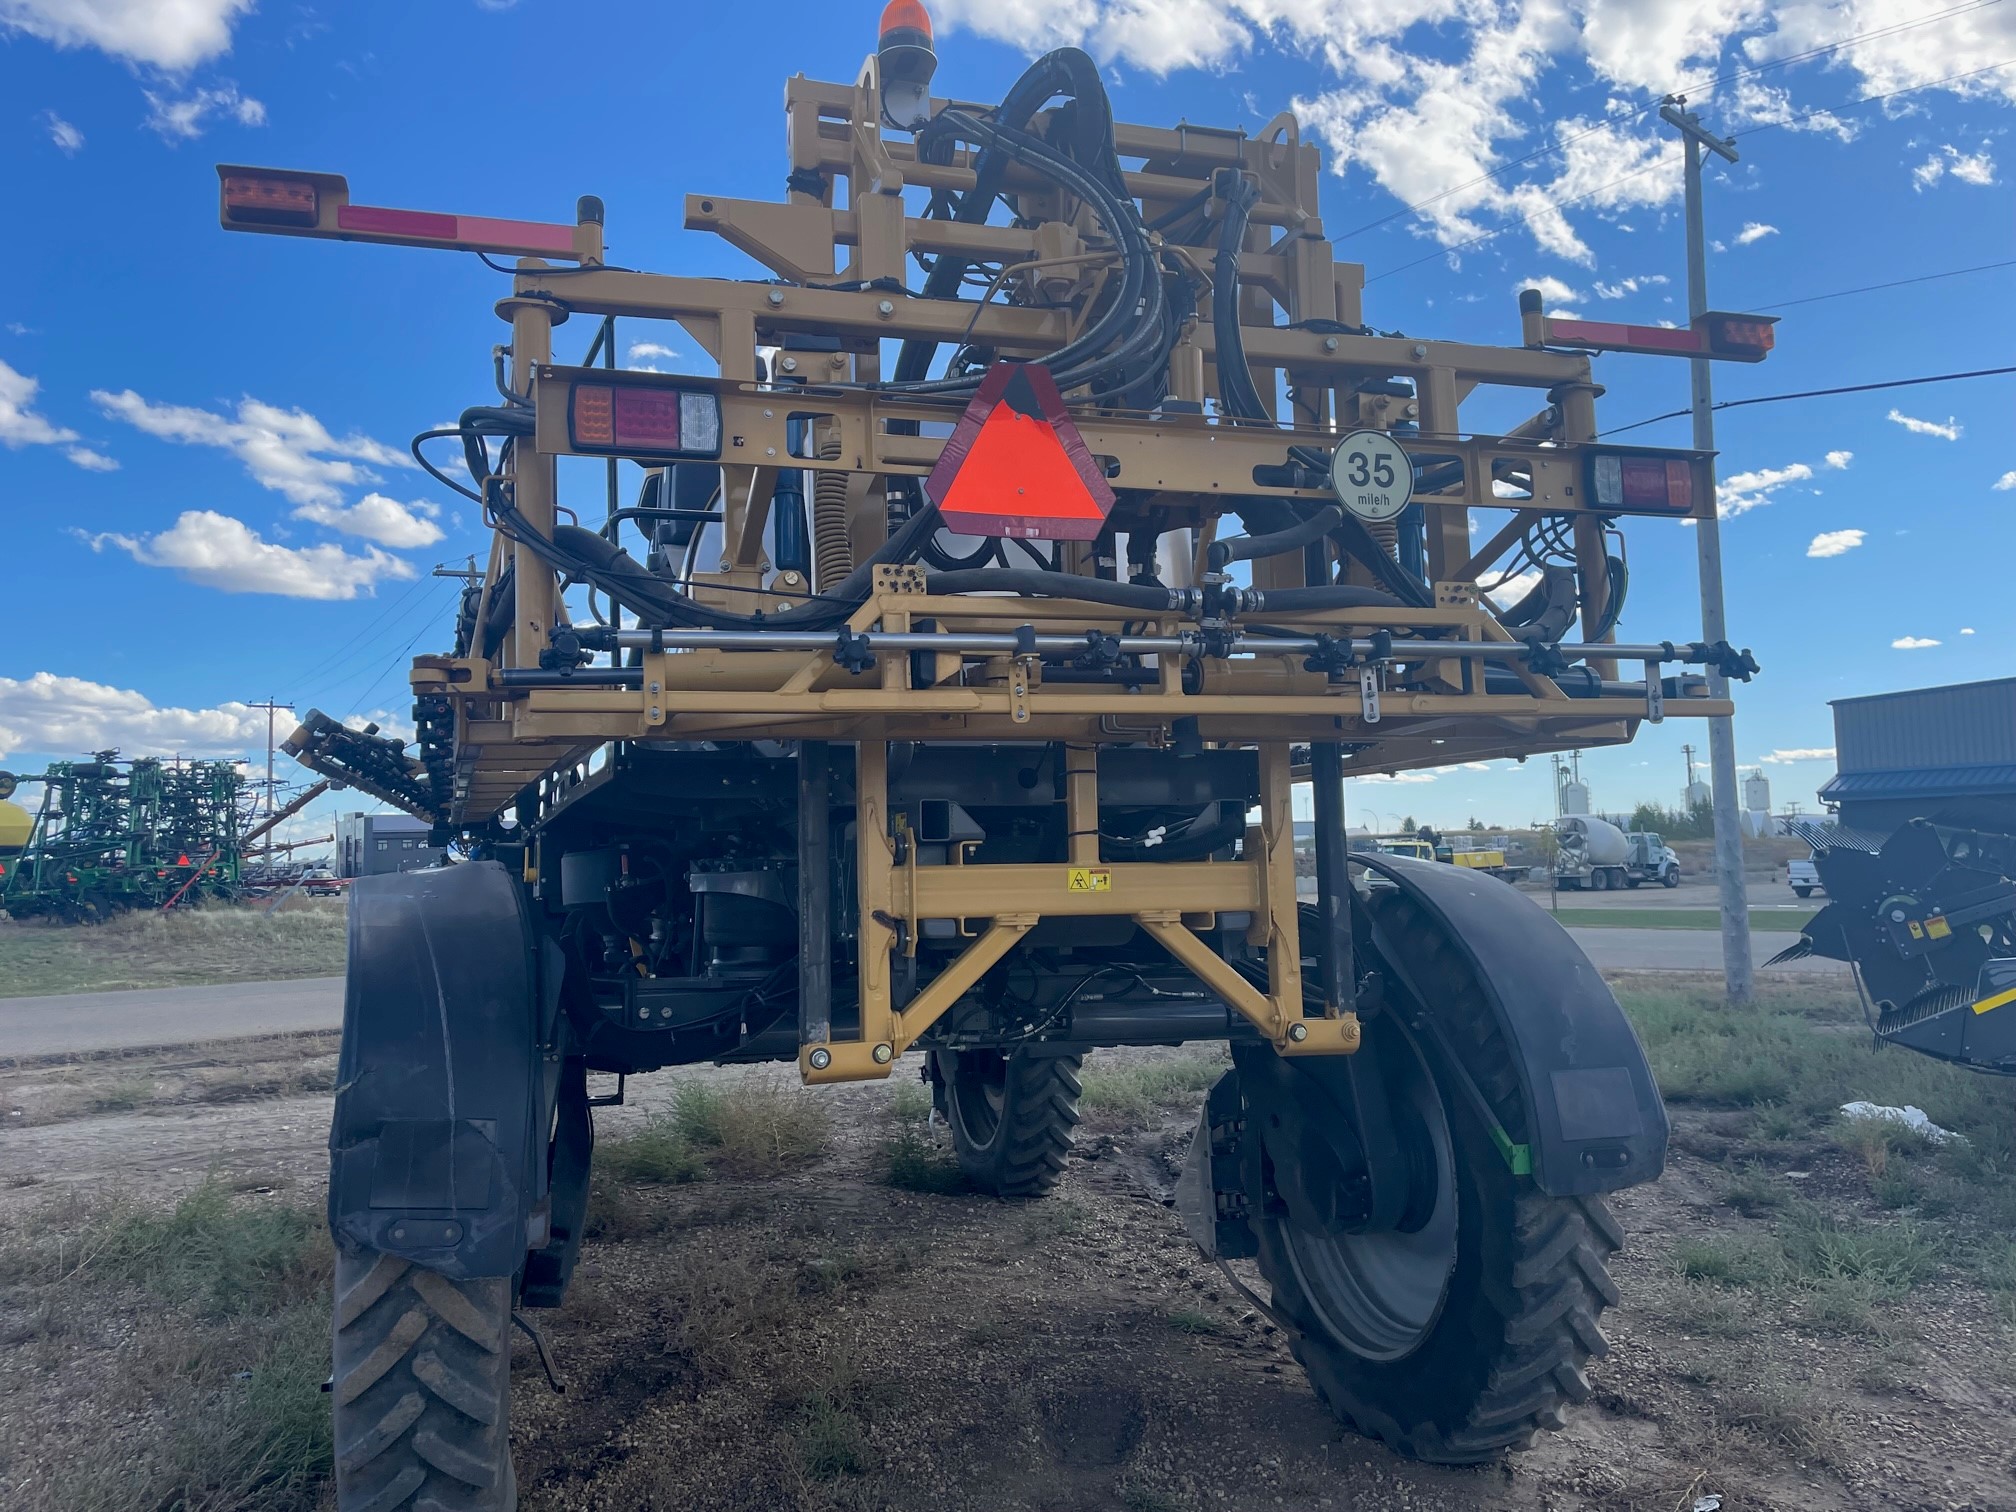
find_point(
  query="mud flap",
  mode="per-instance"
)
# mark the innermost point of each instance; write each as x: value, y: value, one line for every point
x: 445, y: 1086
x: 1589, y: 1117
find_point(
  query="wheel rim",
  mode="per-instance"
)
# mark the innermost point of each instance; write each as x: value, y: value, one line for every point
x: 1378, y: 1295
x: 979, y: 1096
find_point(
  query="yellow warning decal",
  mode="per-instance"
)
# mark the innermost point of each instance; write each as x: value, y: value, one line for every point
x: 1998, y: 1000
x: 1089, y: 879
x: 1938, y: 928
x: 1917, y: 929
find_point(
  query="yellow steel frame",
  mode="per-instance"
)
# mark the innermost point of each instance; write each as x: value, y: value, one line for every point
x: 841, y: 260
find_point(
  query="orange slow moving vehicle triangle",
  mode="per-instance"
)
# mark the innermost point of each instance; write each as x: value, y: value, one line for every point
x: 1016, y: 465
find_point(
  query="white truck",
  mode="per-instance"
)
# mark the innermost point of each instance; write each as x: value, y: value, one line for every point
x: 1804, y: 877
x: 1595, y: 854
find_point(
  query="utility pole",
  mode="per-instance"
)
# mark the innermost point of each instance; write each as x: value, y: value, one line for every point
x: 271, y: 707
x: 468, y: 574
x: 1696, y: 143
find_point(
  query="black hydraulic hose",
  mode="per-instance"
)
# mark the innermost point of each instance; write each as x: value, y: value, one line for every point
x: 1192, y: 845
x: 1236, y: 389
x: 1068, y: 70
x: 1033, y: 582
x: 1077, y: 361
x: 1332, y: 596
x: 1250, y: 548
x: 610, y: 567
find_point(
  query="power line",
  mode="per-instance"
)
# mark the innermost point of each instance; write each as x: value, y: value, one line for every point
x: 1527, y: 220
x: 1895, y: 283
x: 1873, y: 34
x: 1852, y: 388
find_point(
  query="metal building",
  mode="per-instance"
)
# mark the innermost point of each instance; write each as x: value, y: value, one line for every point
x: 1895, y: 752
x: 369, y: 845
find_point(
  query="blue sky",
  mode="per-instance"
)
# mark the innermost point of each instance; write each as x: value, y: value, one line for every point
x: 202, y: 435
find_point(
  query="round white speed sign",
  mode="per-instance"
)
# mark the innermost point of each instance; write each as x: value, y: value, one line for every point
x: 1371, y: 476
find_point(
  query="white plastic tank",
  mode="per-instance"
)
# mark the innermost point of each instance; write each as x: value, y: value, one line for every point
x: 1574, y: 797
x: 1589, y: 841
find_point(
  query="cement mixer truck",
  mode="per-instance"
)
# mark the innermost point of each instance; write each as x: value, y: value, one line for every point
x: 1594, y: 854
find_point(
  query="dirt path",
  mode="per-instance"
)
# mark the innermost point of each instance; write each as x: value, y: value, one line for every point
x: 826, y: 1340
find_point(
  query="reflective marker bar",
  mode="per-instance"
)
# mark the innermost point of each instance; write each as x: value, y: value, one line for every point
x: 293, y: 203
x: 1717, y: 334
x: 1610, y: 336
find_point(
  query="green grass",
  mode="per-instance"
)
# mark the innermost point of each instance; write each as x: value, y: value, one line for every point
x: 912, y: 1162
x: 188, y: 948
x: 1137, y: 1092
x: 750, y: 1129
x: 1762, y: 920
x: 217, y: 1313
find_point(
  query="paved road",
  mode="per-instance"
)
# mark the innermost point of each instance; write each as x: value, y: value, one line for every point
x: 1691, y: 950
x: 166, y: 1016
x: 87, y: 1021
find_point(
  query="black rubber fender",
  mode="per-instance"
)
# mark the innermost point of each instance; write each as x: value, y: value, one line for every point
x: 444, y: 1085
x: 1590, y: 1118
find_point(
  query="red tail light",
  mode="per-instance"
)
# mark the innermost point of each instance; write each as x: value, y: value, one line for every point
x: 640, y: 420
x: 1623, y: 481
x: 271, y: 200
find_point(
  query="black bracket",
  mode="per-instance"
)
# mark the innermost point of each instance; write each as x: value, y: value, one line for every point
x: 854, y: 652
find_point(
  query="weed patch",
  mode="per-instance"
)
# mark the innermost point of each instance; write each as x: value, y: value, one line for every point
x: 1137, y: 1092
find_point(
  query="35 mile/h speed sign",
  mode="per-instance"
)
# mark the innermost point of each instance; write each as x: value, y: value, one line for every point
x: 1371, y: 476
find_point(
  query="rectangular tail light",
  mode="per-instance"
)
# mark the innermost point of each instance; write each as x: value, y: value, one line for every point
x: 643, y: 420
x: 1641, y: 482
x: 271, y: 200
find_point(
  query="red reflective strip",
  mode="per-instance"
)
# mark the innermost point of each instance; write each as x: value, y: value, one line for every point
x: 471, y: 230
x: 396, y: 222
x: 1604, y: 333
x: 541, y: 236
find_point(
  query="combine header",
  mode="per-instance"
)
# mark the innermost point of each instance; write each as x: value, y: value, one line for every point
x: 1047, y: 510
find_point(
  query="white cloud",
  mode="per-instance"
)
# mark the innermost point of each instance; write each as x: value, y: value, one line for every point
x: 48, y: 713
x: 227, y: 554
x: 1559, y: 296
x: 92, y: 461
x: 169, y: 34
x: 1976, y: 168
x: 1428, y: 122
x: 1800, y: 753
x: 2006, y: 482
x: 19, y: 424
x: 1967, y: 630
x: 289, y: 451
x: 1393, y: 777
x: 1625, y: 287
x: 642, y: 354
x: 1739, y: 493
x: 1950, y: 431
x: 1840, y: 459
x: 1911, y: 643
x: 1833, y: 543
x: 67, y: 138
x: 1513, y: 589
x: 378, y: 518
x: 186, y: 119
x: 1754, y: 231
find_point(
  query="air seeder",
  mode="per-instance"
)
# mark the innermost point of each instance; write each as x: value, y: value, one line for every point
x: 1047, y: 512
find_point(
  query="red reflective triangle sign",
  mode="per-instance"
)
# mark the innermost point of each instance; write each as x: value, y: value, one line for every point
x: 1016, y: 465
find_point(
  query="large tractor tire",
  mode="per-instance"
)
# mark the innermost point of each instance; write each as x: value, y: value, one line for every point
x: 1465, y: 1333
x: 421, y: 1389
x: 1013, y: 1117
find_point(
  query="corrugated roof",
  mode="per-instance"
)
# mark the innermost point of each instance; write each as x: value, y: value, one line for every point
x: 1979, y: 780
x: 1958, y: 725
x: 1988, y: 682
